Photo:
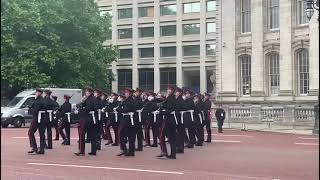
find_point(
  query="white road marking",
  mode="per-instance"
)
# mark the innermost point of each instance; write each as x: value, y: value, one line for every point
x: 307, y: 144
x: 227, y: 141
x: 231, y: 135
x: 316, y: 138
x: 110, y: 168
x: 36, y: 137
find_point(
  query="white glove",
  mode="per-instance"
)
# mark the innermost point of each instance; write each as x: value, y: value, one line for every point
x: 76, y: 111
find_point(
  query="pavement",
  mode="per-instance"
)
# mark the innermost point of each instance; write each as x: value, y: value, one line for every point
x: 233, y: 155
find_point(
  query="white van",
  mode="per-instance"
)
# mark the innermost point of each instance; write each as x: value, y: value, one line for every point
x: 14, y: 112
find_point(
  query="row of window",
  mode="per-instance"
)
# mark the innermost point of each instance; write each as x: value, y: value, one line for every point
x: 273, y: 14
x: 170, y: 30
x: 189, y: 50
x: 302, y: 59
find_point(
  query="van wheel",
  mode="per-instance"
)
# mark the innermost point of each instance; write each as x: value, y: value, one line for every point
x: 18, y: 121
x: 4, y: 125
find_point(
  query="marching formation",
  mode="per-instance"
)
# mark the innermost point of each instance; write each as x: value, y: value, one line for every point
x: 180, y: 117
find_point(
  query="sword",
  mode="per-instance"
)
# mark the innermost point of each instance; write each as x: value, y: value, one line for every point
x: 68, y: 115
x: 200, y: 118
x: 50, y: 115
x: 175, y: 117
x: 139, y: 114
x: 181, y: 113
x: 93, y: 117
x: 191, y: 113
x: 99, y: 114
x: 39, y: 115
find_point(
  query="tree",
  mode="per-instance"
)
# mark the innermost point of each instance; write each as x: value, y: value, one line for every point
x: 56, y: 43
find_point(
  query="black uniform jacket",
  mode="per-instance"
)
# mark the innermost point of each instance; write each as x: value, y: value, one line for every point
x: 87, y: 106
x: 168, y: 106
x: 148, y: 108
x: 128, y: 105
x: 220, y: 114
x: 36, y: 106
x: 206, y: 109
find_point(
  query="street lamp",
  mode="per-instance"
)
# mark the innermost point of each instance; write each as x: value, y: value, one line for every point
x: 311, y: 5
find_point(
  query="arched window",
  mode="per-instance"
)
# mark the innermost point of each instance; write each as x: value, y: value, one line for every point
x: 274, y: 73
x: 245, y: 74
x: 303, y: 71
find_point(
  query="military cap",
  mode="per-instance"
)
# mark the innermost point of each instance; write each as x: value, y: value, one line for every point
x: 128, y: 90
x: 178, y: 89
x: 138, y: 90
x: 39, y: 90
x: 188, y: 91
x: 197, y: 96
x: 114, y: 94
x: 151, y: 93
x: 88, y: 88
x: 67, y: 97
x: 98, y: 91
x: 171, y: 87
x: 54, y: 98
x: 48, y: 91
x: 207, y: 94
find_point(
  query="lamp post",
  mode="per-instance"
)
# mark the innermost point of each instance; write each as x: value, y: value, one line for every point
x: 311, y: 6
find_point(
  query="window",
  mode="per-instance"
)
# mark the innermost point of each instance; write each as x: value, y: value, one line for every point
x: 211, y: 5
x: 191, y: 50
x: 168, y: 10
x: 125, y: 33
x: 274, y: 14
x: 274, y: 74
x: 28, y: 102
x: 245, y: 74
x: 146, y: 80
x: 168, y: 51
x: 191, y: 7
x: 167, y: 77
x: 146, y: 11
x: 168, y: 30
x: 303, y: 71
x: 211, y: 27
x: 245, y: 16
x: 124, y: 79
x: 146, y: 32
x: 124, y: 13
x: 191, y: 29
x: 146, y: 52
x: 211, y: 49
x: 125, y: 54
x: 300, y: 12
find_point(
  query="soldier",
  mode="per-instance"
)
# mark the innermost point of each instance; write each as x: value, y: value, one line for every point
x: 87, y: 119
x: 104, y: 119
x: 207, y: 115
x: 127, y: 129
x: 220, y: 116
x: 149, y: 114
x: 55, y: 119
x: 188, y: 118
x: 37, y: 111
x: 198, y: 120
x: 49, y: 107
x: 138, y: 118
x: 159, y: 117
x: 98, y: 127
x: 65, y: 114
x: 169, y: 124
x: 180, y: 127
x: 113, y: 119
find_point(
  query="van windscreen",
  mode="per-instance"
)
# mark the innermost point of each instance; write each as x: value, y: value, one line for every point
x: 14, y: 101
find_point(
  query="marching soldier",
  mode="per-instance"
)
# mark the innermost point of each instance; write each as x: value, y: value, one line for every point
x: 37, y: 111
x: 169, y: 124
x: 188, y: 117
x: 98, y: 127
x: 149, y: 113
x: 87, y: 118
x: 180, y: 127
x: 65, y: 115
x: 104, y: 119
x: 127, y: 129
x: 138, y: 118
x: 49, y: 107
x: 220, y: 115
x: 159, y: 117
x: 198, y: 120
x: 207, y: 115
x: 55, y: 119
x: 113, y: 119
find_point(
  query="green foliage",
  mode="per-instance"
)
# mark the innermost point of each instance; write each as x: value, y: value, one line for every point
x: 54, y: 43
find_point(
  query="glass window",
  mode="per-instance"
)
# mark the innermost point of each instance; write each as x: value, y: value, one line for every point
x: 191, y: 7
x: 146, y: 80
x: 124, y: 79
x: 245, y: 16
x: 274, y: 14
x: 146, y: 32
x: 125, y: 33
x: 211, y: 27
x: 168, y: 51
x: 168, y: 10
x: 191, y: 50
x: 303, y: 70
x: 245, y: 73
x: 146, y: 11
x: 274, y: 74
x: 168, y: 30
x: 28, y: 102
x: 125, y: 53
x: 146, y: 52
x: 301, y: 14
x: 211, y: 5
x: 191, y: 29
x: 167, y: 77
x: 211, y: 49
x: 125, y: 13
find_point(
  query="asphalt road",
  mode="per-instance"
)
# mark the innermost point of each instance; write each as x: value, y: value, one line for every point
x: 234, y: 155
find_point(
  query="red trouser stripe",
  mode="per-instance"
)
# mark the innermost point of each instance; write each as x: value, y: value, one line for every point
x: 162, y: 139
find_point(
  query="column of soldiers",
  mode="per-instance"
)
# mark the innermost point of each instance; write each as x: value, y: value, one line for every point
x: 178, y: 118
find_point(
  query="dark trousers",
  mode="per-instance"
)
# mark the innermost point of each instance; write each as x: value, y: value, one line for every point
x: 180, y: 136
x: 168, y: 129
x: 139, y: 134
x: 49, y: 126
x: 190, y: 126
x: 115, y: 127
x: 220, y: 124
x: 56, y: 127
x: 83, y: 128
x: 153, y: 126
x: 207, y: 123
x: 127, y: 132
x: 32, y: 130
x: 199, y: 132
x: 65, y: 125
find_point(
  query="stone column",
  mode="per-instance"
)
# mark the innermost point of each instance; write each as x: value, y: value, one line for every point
x: 114, y: 42
x: 156, y: 46
x: 179, y: 46
x: 135, y: 51
x: 203, y: 77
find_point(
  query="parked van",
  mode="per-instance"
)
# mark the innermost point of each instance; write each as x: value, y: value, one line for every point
x: 14, y: 112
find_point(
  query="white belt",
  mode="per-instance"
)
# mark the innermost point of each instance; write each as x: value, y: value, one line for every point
x: 181, y: 114
x: 93, y: 117
x: 175, y: 117
x: 191, y: 113
x: 106, y: 114
x: 155, y: 116
x: 139, y: 114
x: 200, y: 117
x: 39, y: 115
x: 131, y: 116
x: 68, y: 115
x: 115, y: 116
x: 203, y: 114
x: 99, y: 114
x: 50, y: 114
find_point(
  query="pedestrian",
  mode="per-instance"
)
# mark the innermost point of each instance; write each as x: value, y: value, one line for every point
x: 207, y: 115
x: 220, y: 116
x: 65, y: 114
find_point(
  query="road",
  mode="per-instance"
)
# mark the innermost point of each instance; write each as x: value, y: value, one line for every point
x: 234, y: 155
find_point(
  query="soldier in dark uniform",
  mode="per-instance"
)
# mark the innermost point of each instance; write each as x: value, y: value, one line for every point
x: 180, y: 127
x: 113, y: 119
x: 138, y: 118
x: 207, y: 115
x: 37, y: 111
x: 49, y: 107
x: 159, y: 117
x: 65, y: 114
x: 198, y: 120
x: 169, y: 124
x: 98, y: 127
x: 55, y: 119
x: 220, y: 116
x: 188, y: 118
x: 87, y: 119
x: 150, y: 116
x: 127, y: 129
x: 104, y: 119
